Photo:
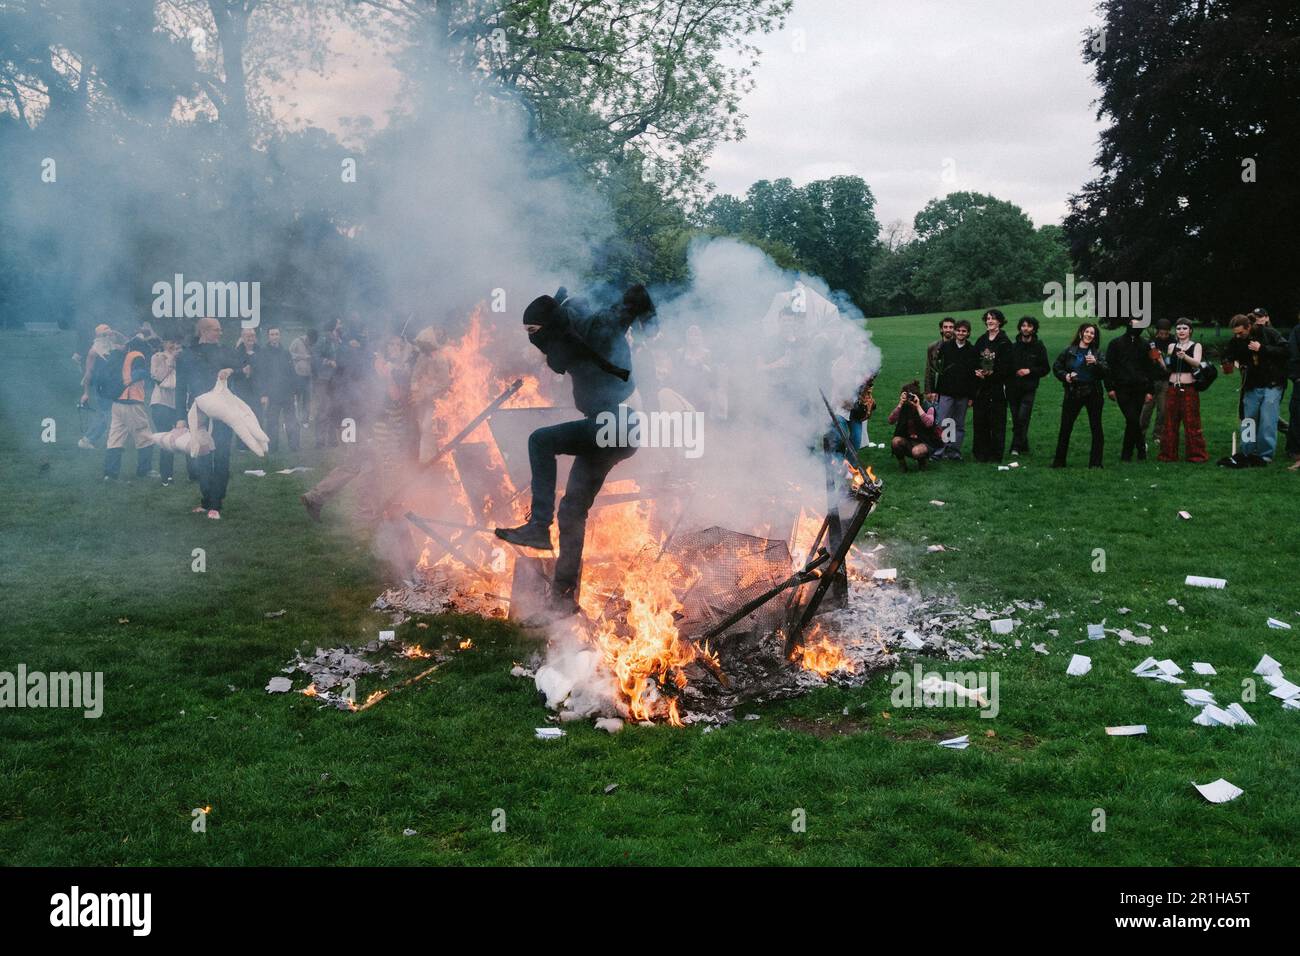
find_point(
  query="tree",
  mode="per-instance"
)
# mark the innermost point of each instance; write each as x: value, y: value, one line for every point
x: 661, y: 79
x: 977, y: 250
x: 1196, y: 191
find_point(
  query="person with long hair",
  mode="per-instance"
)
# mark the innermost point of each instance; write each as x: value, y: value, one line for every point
x: 993, y: 352
x: 1183, y: 357
x: 1082, y: 370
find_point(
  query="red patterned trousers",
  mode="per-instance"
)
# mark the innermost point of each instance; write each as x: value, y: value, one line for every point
x: 1182, y: 407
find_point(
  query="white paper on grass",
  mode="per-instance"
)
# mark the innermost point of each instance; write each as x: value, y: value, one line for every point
x: 1277, y: 625
x: 1218, y: 791
x: 1002, y: 625
x: 912, y: 640
x: 255, y: 472
x: 1203, y: 668
x: 1145, y: 666
x: 1197, y: 581
x: 1240, y: 713
x: 1079, y: 665
x: 547, y: 733
x: 387, y: 635
x: 1267, y: 665
x: 1285, y: 690
x: 937, y: 686
x: 1212, y: 716
x: 279, y: 685
x: 886, y: 574
x: 1096, y: 632
x: 1198, y: 697
x: 1292, y: 704
x: 1169, y: 667
x: 1127, y: 730
x: 956, y: 743
x: 1185, y: 515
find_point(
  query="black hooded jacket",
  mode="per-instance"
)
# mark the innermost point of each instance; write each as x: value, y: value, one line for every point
x: 1129, y: 364
x: 591, y: 347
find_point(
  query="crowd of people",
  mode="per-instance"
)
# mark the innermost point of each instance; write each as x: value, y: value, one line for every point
x: 138, y: 386
x: 1152, y: 379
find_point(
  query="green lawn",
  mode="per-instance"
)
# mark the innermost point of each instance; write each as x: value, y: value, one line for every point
x: 99, y: 578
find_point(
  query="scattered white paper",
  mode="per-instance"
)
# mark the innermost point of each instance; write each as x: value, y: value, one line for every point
x: 1014, y: 464
x: 1127, y: 730
x: 1185, y: 515
x: 956, y: 743
x: 1267, y: 665
x: 1277, y: 625
x: 1128, y: 637
x: 937, y: 504
x: 935, y: 547
x: 1240, y: 713
x: 1198, y: 697
x: 255, y: 472
x: 936, y: 686
x: 1202, y: 668
x: 290, y: 471
x: 1096, y: 632
x: 1002, y: 625
x: 1079, y: 665
x: 1196, y: 581
x: 1285, y: 690
x: 279, y: 685
x: 1220, y: 791
x: 885, y: 574
x: 1040, y: 648
x: 1146, y: 665
x: 912, y: 641
x: 387, y: 635
x: 1169, y: 667
x: 610, y: 725
x: 547, y: 733
x: 1004, y: 467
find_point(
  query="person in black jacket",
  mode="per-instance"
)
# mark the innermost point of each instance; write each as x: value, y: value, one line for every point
x: 1261, y: 354
x: 1293, y: 373
x: 593, y: 349
x: 1028, y: 365
x: 954, y: 383
x: 1082, y: 371
x: 276, y: 382
x: 1131, y: 383
x: 197, y: 368
x: 993, y: 354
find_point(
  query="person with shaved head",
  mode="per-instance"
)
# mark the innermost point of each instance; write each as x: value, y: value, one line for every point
x: 197, y: 369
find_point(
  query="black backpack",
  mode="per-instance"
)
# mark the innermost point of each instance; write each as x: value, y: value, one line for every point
x: 1204, y: 375
x: 107, y: 377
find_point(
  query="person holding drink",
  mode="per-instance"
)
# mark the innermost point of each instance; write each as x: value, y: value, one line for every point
x: 1082, y: 371
x: 1182, y: 401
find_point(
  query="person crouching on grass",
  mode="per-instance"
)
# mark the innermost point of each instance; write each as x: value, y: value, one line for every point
x: 914, y: 433
x: 593, y: 349
x: 1082, y: 370
x: 1182, y: 402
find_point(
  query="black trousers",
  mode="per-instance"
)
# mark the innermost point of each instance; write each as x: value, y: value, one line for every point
x: 1130, y: 401
x: 1021, y: 403
x: 273, y: 416
x: 591, y: 465
x: 990, y: 423
x: 214, y: 468
x: 1077, y: 399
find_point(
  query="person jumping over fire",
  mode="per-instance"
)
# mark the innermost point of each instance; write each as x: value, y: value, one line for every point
x: 594, y: 350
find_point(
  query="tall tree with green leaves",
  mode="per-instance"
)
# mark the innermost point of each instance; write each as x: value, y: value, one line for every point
x: 1197, y: 191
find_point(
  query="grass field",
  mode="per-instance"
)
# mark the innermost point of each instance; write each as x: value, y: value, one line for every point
x: 99, y: 578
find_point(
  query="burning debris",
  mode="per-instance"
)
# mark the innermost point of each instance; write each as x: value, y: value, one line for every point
x: 334, y: 672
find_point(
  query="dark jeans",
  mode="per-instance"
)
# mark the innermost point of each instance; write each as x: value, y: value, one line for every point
x: 1021, y: 404
x: 1077, y: 399
x: 214, y: 468
x: 591, y: 464
x: 275, y: 414
x: 164, y: 420
x: 302, y: 398
x: 990, y: 423
x: 1130, y: 401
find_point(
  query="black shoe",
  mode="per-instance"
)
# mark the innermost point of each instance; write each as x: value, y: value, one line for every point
x: 528, y: 535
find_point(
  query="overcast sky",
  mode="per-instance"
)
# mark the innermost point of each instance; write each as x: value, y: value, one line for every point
x: 992, y: 94
x: 890, y: 89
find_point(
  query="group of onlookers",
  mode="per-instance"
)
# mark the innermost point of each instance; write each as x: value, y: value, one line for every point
x: 1157, y: 377
x: 139, y: 386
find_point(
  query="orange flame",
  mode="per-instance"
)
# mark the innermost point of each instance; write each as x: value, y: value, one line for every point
x: 819, y: 655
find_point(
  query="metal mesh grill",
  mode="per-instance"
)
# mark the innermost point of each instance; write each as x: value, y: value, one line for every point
x: 734, y: 568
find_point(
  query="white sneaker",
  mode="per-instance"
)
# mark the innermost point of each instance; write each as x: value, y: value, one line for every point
x: 85, y: 444
x: 214, y: 515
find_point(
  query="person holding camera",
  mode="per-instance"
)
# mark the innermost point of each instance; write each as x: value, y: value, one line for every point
x: 1082, y: 371
x: 914, y: 433
x: 1183, y: 357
